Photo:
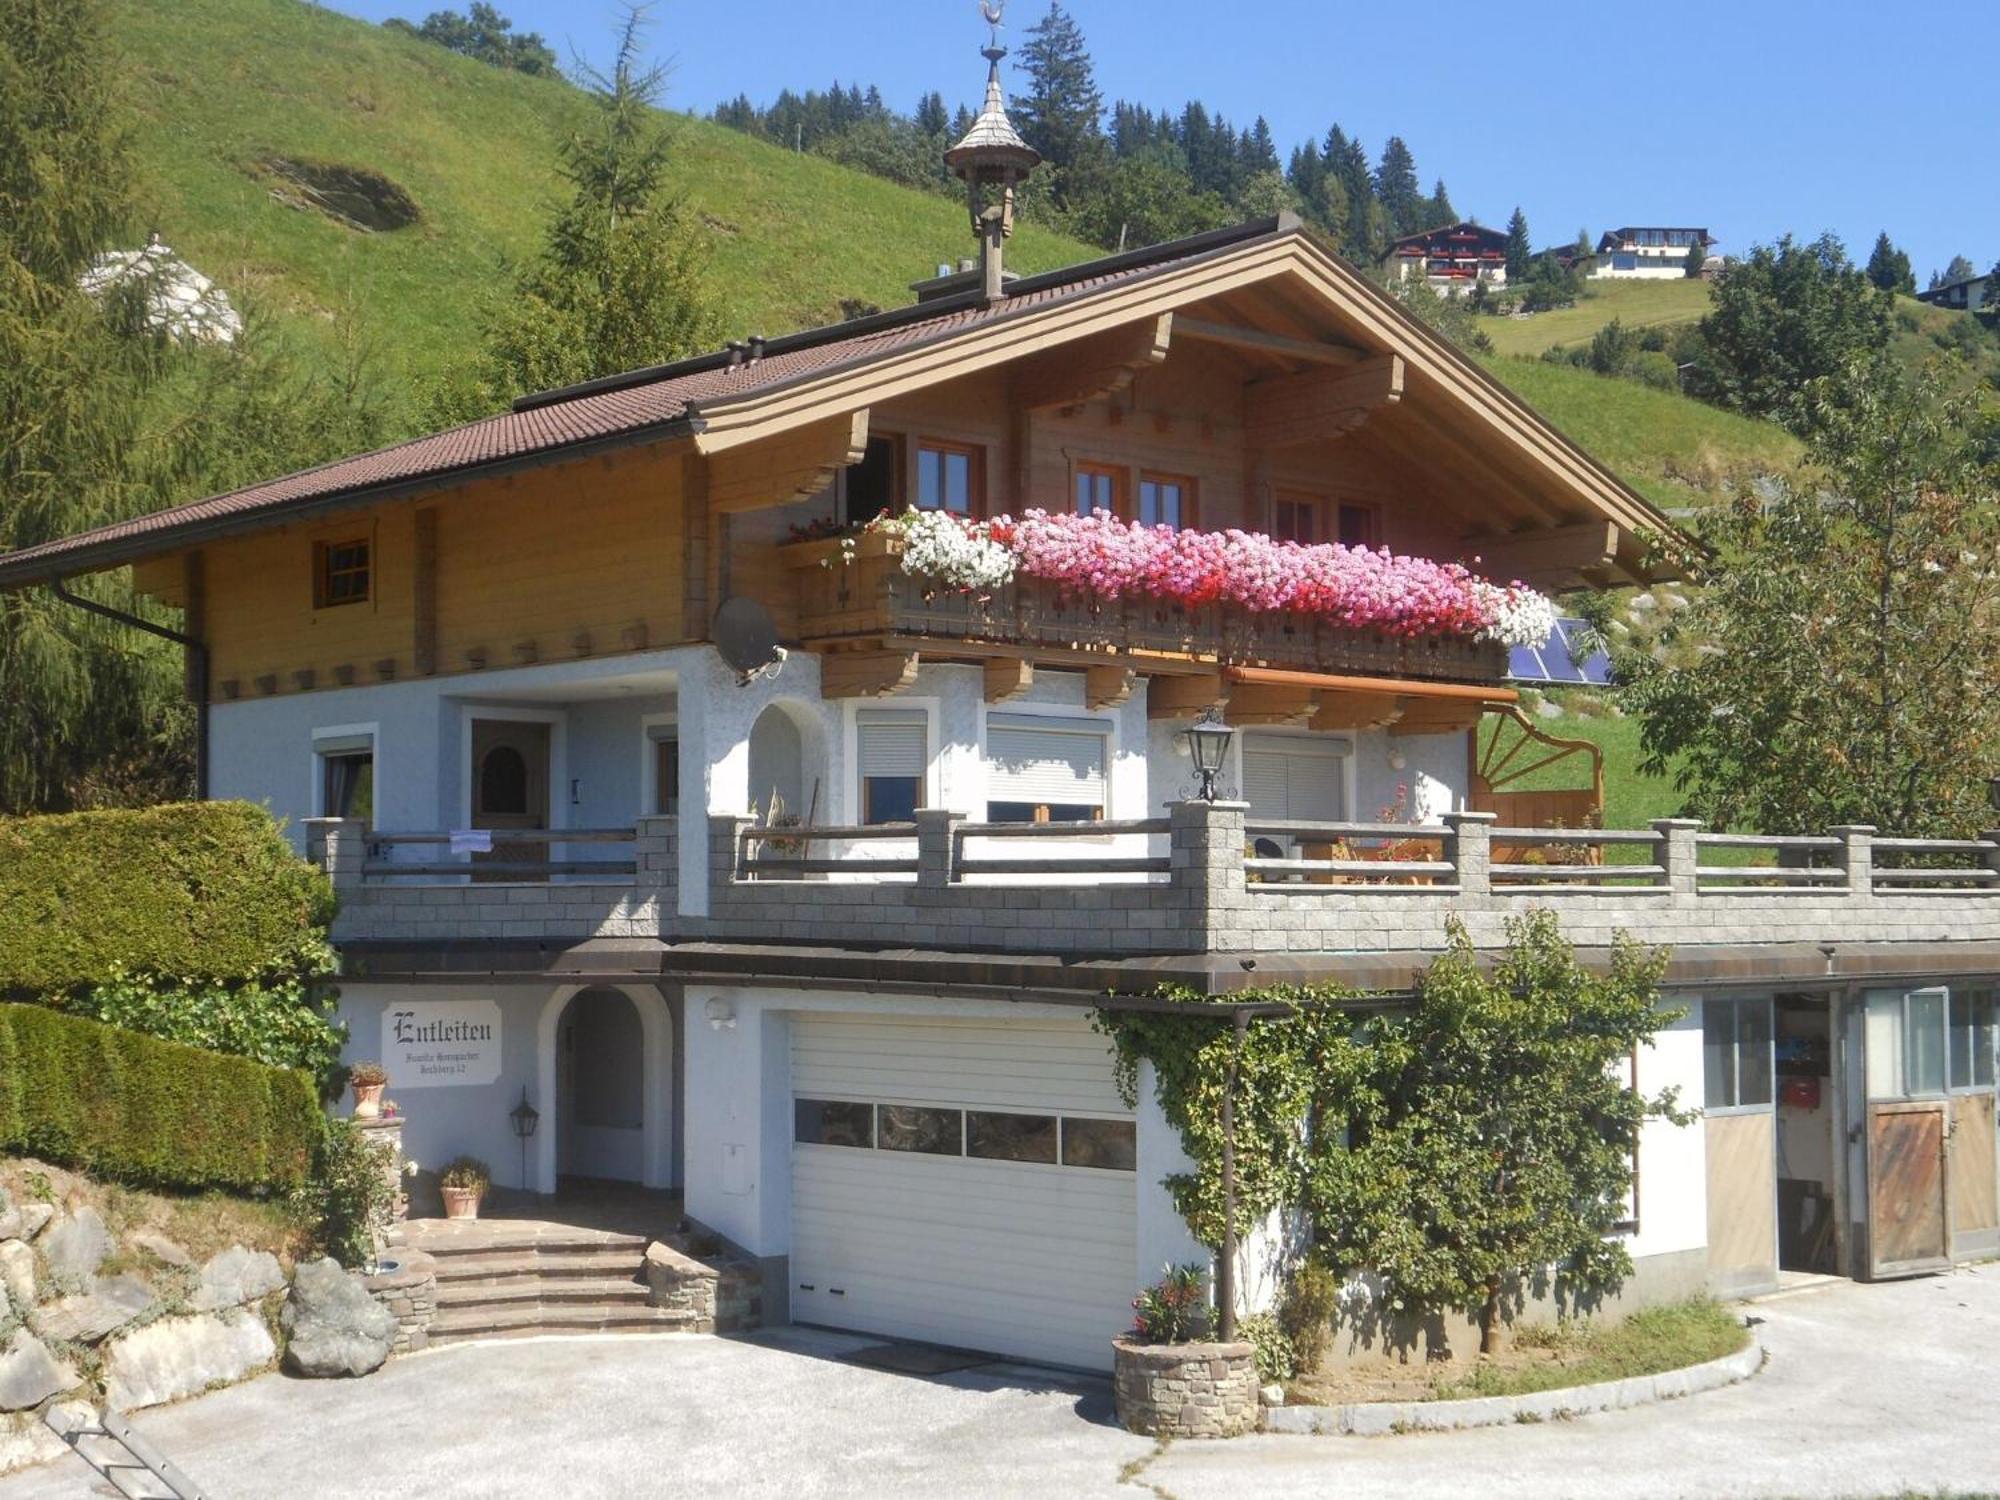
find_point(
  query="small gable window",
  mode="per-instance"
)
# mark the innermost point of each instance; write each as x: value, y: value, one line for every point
x: 341, y: 573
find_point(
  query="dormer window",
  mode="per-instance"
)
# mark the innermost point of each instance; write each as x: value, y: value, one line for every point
x: 340, y: 573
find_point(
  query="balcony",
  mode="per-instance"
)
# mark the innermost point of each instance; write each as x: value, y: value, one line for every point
x: 869, y: 601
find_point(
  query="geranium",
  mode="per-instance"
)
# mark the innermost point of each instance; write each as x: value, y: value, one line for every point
x: 1108, y: 558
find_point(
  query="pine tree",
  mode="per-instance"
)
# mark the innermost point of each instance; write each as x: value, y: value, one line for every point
x: 1396, y: 186
x: 1061, y: 113
x: 1518, y: 251
x: 1889, y: 268
x: 1347, y: 159
x: 1440, y: 210
x: 618, y: 282
x: 1958, y: 270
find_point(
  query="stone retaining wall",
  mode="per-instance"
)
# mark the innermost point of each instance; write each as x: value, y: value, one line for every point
x: 1186, y: 1390
x: 717, y: 1294
x: 410, y: 1294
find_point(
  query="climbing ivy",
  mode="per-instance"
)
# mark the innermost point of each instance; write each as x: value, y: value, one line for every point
x: 1462, y: 1146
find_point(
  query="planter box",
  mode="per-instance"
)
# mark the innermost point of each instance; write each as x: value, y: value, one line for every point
x: 1186, y: 1390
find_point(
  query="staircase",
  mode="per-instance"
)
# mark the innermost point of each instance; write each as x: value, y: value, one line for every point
x: 503, y: 1278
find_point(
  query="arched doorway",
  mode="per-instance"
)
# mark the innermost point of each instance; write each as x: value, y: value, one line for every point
x: 601, y: 1088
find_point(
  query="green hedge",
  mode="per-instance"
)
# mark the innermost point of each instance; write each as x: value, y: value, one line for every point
x: 137, y: 1109
x: 197, y: 890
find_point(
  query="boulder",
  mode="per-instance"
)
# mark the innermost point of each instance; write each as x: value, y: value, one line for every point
x: 23, y: 1221
x: 236, y: 1276
x: 111, y: 1303
x: 76, y: 1245
x: 178, y: 1357
x: 166, y: 1251
x: 336, y: 1328
x: 17, y: 1272
x: 29, y: 1374
x: 25, y: 1440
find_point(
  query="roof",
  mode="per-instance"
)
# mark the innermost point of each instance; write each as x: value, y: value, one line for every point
x: 1952, y: 286
x: 1612, y: 236
x: 730, y: 397
x: 640, y: 405
x: 992, y: 137
x: 1466, y: 228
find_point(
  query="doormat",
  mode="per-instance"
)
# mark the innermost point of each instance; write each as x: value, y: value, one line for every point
x: 917, y: 1359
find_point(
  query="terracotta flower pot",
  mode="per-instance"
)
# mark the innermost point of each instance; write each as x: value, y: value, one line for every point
x: 461, y: 1203
x: 368, y: 1100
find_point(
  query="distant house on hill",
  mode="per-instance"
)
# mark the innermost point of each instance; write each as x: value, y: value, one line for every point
x: 1656, y: 252
x: 1453, y: 257
x: 1967, y: 294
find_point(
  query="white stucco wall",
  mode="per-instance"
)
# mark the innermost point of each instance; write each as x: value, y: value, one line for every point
x: 1673, y: 1171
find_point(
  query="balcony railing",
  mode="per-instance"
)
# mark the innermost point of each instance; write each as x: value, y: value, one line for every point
x: 513, y: 854
x: 871, y: 598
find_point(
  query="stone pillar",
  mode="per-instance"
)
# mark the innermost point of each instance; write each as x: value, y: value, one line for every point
x: 656, y: 853
x: 936, y: 838
x: 725, y: 853
x: 385, y: 1134
x: 1679, y: 855
x: 1470, y: 847
x: 1857, y: 857
x: 1205, y: 872
x: 338, y: 846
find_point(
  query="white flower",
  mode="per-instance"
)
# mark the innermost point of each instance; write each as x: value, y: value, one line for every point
x: 950, y: 553
x: 410, y: 1167
x: 1521, y: 616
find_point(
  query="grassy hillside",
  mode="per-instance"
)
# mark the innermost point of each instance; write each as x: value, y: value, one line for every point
x: 1636, y: 304
x: 223, y: 85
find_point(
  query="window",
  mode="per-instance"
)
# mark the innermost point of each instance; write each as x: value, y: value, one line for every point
x: 891, y: 751
x: 347, y: 777
x: 948, y: 478
x: 1296, y: 518
x: 1166, y: 500
x: 911, y: 1127
x: 832, y: 1122
x: 666, y: 751
x: 1298, y: 777
x: 1099, y: 487
x: 340, y: 573
x: 1004, y: 1137
x: 1360, y: 526
x: 1972, y: 1041
x: 1045, y: 770
x: 1736, y: 1053
x: 873, y: 485
x: 1904, y: 1038
x: 1110, y: 1145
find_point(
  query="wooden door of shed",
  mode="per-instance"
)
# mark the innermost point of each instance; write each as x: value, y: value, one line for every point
x: 1909, y: 1216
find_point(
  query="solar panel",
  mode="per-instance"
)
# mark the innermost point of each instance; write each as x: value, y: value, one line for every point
x: 1559, y: 662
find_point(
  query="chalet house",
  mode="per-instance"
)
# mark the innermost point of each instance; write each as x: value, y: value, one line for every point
x: 1452, y: 257
x: 781, y: 875
x: 1967, y: 294
x: 1655, y: 252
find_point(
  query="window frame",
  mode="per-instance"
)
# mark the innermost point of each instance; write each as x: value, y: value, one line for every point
x: 654, y: 731
x: 324, y: 573
x: 343, y: 739
x: 1120, y: 479
x: 1372, y: 514
x: 975, y: 469
x: 1189, y: 517
x: 899, y: 478
x: 919, y: 715
x: 1971, y: 999
x: 1315, y: 503
x: 1737, y: 1006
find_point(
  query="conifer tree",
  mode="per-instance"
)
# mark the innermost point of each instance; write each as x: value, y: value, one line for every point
x: 1061, y: 114
x: 1958, y: 270
x: 1396, y: 186
x: 1889, y: 268
x: 1518, y: 251
x: 1441, y: 211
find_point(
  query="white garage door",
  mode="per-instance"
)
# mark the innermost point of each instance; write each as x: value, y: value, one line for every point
x: 963, y: 1183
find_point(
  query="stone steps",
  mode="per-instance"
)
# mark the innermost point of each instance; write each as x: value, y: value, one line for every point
x: 593, y: 1265
x: 459, y: 1324
x: 516, y: 1290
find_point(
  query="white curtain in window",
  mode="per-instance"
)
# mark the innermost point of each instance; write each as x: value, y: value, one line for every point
x: 1043, y: 760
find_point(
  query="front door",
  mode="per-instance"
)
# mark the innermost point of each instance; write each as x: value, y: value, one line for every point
x: 510, y: 790
x: 1907, y: 1127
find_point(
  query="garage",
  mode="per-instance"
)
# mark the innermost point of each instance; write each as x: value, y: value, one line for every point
x: 963, y: 1183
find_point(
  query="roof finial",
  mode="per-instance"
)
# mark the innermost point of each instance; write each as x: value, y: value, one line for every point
x: 992, y: 12
x: 992, y: 160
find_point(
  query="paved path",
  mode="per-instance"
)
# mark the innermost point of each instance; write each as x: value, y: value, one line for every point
x: 1870, y: 1390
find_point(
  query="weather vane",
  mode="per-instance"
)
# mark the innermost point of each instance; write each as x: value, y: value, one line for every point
x: 992, y: 10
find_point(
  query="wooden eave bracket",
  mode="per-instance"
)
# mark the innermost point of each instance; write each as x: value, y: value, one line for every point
x: 1071, y: 374
x: 1289, y: 410
x: 866, y: 674
x: 1007, y: 678
x: 791, y: 466
x: 1554, y: 557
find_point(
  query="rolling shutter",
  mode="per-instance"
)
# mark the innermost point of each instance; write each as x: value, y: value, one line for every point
x: 1288, y: 777
x: 1044, y: 761
x: 890, y: 744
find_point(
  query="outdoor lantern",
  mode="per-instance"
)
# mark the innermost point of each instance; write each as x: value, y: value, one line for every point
x: 525, y: 1117
x: 1208, y: 743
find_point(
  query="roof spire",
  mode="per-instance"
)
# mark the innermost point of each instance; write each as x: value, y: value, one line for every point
x: 992, y: 160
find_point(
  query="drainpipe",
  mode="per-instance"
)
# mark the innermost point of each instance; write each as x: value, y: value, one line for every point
x: 197, y: 661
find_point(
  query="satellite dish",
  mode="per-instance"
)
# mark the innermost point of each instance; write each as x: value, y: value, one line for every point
x: 746, y: 639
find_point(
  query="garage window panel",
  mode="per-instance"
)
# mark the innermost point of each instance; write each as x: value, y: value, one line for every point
x: 1111, y: 1145
x: 916, y: 1127
x: 996, y: 1136
x: 833, y: 1122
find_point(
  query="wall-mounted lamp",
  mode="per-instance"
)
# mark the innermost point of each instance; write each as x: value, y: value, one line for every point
x: 721, y: 1014
x: 524, y: 1117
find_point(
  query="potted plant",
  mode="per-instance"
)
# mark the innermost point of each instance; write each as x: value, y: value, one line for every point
x: 1170, y: 1381
x: 368, y: 1079
x: 464, y: 1181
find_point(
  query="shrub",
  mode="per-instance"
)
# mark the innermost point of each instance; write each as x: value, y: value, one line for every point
x: 466, y: 1172
x: 349, y: 1197
x: 367, y: 1074
x: 1277, y: 1361
x: 138, y: 1109
x: 1306, y: 1313
x: 202, y: 891
x: 287, y: 1024
x: 1174, y: 1310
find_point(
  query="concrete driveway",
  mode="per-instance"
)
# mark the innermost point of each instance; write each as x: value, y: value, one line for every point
x: 1870, y: 1391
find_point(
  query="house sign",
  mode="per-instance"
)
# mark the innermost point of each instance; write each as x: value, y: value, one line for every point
x: 441, y: 1043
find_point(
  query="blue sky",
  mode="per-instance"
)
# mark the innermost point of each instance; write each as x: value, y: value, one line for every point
x: 1754, y: 118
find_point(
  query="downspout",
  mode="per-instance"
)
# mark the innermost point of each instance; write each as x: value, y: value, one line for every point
x: 197, y: 662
